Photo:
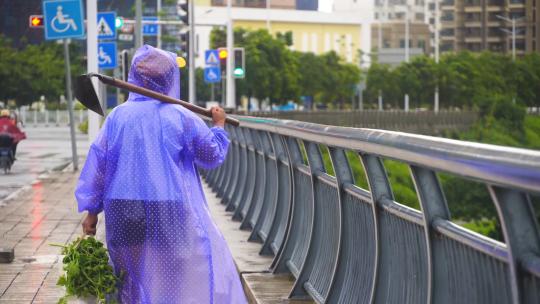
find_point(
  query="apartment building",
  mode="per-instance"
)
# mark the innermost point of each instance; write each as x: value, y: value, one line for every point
x: 479, y: 25
x: 312, y: 31
x: 277, y: 4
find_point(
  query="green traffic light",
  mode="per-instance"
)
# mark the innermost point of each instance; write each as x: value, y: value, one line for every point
x: 119, y: 22
x: 238, y: 72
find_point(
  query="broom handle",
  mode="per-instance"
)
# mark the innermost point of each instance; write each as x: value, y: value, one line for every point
x: 161, y: 97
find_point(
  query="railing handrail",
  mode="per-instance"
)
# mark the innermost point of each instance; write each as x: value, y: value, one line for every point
x: 512, y: 167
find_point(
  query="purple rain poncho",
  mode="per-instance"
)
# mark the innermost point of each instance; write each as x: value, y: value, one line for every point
x: 141, y: 170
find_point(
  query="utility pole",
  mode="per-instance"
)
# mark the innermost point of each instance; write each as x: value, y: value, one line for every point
x: 407, y: 25
x: 437, y: 29
x: 268, y: 15
x: 513, y: 33
x: 191, y: 53
x: 70, y: 108
x: 138, y: 24
x: 92, y: 63
x: 230, y: 44
x: 513, y: 39
x: 158, y: 8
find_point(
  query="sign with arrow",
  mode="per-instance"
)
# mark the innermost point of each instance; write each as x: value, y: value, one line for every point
x: 106, y: 28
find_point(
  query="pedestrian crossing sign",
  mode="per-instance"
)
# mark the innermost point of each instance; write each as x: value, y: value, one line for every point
x: 106, y: 28
x: 211, y: 58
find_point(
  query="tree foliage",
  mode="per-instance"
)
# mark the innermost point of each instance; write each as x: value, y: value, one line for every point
x: 466, y: 80
x: 276, y: 73
x: 34, y: 71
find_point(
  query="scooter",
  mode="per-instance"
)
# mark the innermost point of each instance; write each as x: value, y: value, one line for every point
x: 6, y: 152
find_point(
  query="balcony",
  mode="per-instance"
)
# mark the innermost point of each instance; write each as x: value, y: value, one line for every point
x: 473, y: 8
x: 473, y: 38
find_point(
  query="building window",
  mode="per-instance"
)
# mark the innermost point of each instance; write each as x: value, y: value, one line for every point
x: 447, y: 47
x: 419, y: 16
x: 496, y: 47
x: 447, y: 16
x: 447, y: 32
x: 422, y: 45
x: 516, y: 15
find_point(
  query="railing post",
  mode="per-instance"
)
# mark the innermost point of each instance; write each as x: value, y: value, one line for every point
x: 250, y: 161
x: 236, y: 197
x: 276, y: 234
x: 316, y: 166
x: 344, y: 176
x: 260, y: 178
x: 434, y: 206
x: 380, y: 190
x: 271, y: 188
x: 520, y: 231
x: 279, y: 264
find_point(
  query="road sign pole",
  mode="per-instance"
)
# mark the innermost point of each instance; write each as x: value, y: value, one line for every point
x: 230, y: 44
x: 191, y: 55
x: 70, y: 108
x: 158, y: 4
x: 92, y: 63
x: 138, y: 24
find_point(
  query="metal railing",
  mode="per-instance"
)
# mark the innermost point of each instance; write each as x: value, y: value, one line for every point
x: 51, y: 117
x: 345, y: 244
x: 423, y: 122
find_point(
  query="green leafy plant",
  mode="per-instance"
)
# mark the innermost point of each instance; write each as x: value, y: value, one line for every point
x: 87, y: 270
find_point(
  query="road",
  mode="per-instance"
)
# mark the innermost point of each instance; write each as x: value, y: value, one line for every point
x: 45, y: 148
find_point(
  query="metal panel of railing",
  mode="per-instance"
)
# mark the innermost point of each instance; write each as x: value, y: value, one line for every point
x: 345, y: 244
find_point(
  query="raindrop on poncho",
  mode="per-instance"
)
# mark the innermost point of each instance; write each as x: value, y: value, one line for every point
x: 141, y: 171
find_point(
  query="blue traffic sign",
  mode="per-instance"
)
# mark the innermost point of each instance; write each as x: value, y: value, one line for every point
x: 150, y: 29
x: 63, y: 19
x: 212, y: 74
x: 106, y: 27
x: 211, y: 58
x: 107, y: 55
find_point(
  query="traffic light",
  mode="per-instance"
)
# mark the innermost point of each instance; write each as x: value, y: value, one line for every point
x: 35, y: 21
x: 183, y: 12
x: 124, y: 64
x: 222, y: 55
x: 119, y: 22
x: 239, y: 69
x: 184, y: 43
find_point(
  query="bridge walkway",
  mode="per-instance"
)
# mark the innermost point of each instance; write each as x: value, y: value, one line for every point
x: 260, y: 284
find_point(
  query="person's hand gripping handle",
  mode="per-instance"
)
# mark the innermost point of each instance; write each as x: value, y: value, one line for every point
x: 218, y: 116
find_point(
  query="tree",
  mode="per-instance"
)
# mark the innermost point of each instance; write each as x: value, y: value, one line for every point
x: 34, y: 71
x: 381, y: 79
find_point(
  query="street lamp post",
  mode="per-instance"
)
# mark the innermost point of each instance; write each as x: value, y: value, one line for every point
x: 230, y: 101
x: 513, y: 32
x: 407, y: 29
x: 437, y: 29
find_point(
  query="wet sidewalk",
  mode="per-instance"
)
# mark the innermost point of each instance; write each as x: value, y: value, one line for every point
x: 30, y: 220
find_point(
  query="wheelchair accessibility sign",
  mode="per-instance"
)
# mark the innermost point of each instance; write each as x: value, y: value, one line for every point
x: 63, y: 19
x: 107, y: 55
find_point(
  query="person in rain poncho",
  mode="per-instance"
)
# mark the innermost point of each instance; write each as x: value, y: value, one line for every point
x: 141, y: 171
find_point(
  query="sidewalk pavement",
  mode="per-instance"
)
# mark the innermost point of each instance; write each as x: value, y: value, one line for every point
x: 46, y: 212
x: 37, y: 215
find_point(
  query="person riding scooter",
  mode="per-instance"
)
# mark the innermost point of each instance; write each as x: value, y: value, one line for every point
x: 9, y: 127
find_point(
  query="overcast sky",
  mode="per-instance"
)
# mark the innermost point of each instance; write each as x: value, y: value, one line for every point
x: 325, y: 5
